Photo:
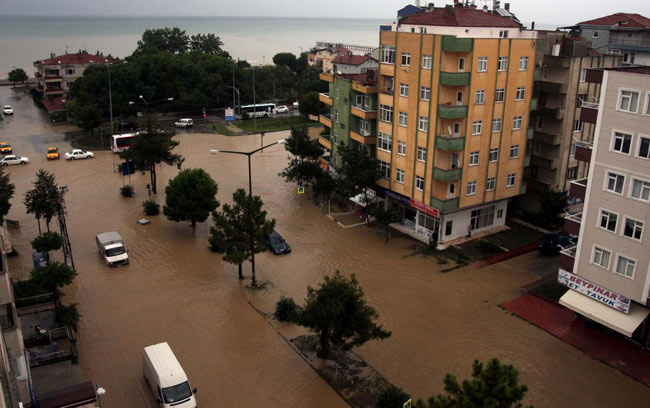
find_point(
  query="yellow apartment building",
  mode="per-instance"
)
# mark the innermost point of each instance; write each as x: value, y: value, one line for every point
x: 455, y: 92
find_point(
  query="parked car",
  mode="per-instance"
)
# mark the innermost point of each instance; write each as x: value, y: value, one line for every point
x: 52, y: 153
x: 13, y: 159
x: 77, y: 154
x: 5, y: 148
x: 127, y: 126
x: 282, y: 109
x: 184, y: 123
x: 277, y: 244
x: 7, y: 110
x: 554, y: 243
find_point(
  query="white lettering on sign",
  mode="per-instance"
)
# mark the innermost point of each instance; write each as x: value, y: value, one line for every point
x: 596, y: 292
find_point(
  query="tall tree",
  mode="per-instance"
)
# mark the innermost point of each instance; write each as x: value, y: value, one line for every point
x: 87, y: 115
x: 190, y: 196
x: 287, y: 59
x: 228, y: 235
x: 171, y: 40
x: 42, y: 200
x: 358, y: 168
x: 53, y: 276
x: 17, y: 75
x: 310, y: 104
x: 303, y: 167
x: 207, y: 44
x: 7, y: 190
x: 385, y: 217
x: 255, y: 223
x: 46, y: 242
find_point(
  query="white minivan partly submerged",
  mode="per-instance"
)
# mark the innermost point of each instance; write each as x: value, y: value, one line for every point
x: 166, y: 378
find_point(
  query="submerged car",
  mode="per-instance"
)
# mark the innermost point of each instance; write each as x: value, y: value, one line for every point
x: 5, y: 148
x: 77, y: 154
x: 184, y: 123
x: 7, y: 110
x: 52, y: 153
x: 554, y: 243
x: 277, y: 244
x: 13, y: 159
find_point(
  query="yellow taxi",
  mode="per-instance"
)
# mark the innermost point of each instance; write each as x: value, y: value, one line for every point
x: 5, y: 148
x: 52, y: 153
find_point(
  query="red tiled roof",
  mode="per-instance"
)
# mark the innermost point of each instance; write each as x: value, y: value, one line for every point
x: 82, y: 58
x: 461, y: 17
x: 364, y: 78
x: 343, y: 50
x: 351, y: 59
x: 54, y: 105
x: 593, y: 53
x: 633, y: 21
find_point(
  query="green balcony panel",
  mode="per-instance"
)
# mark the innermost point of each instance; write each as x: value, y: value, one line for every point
x: 450, y: 144
x: 530, y: 133
x: 454, y: 78
x: 447, y: 175
x: 538, y: 75
x: 540, y: 45
x: 454, y: 44
x: 526, y: 161
x: 452, y: 112
x: 446, y: 205
x: 533, y: 104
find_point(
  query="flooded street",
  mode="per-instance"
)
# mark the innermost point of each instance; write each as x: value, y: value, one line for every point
x: 176, y: 290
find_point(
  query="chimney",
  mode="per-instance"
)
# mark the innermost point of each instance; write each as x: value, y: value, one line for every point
x: 51, y: 55
x: 485, y: 9
x: 532, y: 25
x: 430, y: 6
x: 456, y: 4
x: 496, y: 4
x: 449, y: 9
x: 506, y: 6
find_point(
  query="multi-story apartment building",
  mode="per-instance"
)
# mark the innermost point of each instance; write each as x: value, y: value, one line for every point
x: 353, y: 100
x: 323, y: 58
x: 455, y: 92
x: 56, y: 74
x: 625, y: 34
x: 608, y: 270
x: 560, y: 90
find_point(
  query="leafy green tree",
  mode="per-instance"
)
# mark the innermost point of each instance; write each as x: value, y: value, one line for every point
x: 48, y: 241
x: 228, y: 235
x: 303, y: 168
x: 338, y: 313
x: 310, y: 104
x: 392, y: 397
x: 7, y: 190
x: 255, y: 223
x: 358, y: 168
x: 552, y: 204
x: 53, y: 276
x: 287, y: 59
x: 85, y: 114
x: 67, y: 316
x: 207, y: 44
x: 385, y: 217
x: 324, y: 185
x: 42, y: 200
x: 17, y: 75
x: 190, y: 196
x: 171, y: 40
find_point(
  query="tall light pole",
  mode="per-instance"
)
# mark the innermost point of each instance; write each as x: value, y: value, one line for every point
x: 250, y: 193
x: 254, y: 103
x: 110, y: 104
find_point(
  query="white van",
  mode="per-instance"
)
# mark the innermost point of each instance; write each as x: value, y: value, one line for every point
x: 184, y: 123
x: 166, y: 377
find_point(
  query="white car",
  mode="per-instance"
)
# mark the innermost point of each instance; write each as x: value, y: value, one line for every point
x: 282, y: 109
x: 184, y: 123
x: 7, y: 110
x: 13, y: 159
x: 77, y: 154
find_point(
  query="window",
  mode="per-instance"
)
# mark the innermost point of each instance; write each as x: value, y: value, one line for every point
x: 583, y: 74
x: 578, y: 125
x: 386, y: 113
x: 336, y: 92
x: 490, y: 183
x: 419, y: 183
x: 423, y: 30
x: 622, y: 143
x: 473, y: 158
x: 452, y: 188
x: 69, y: 84
x: 481, y: 66
x: 423, y: 124
x: 335, y: 138
x: 401, y: 148
x: 601, y: 257
x: 500, y: 213
x: 406, y: 59
x: 422, y: 154
x: 511, y: 179
x: 69, y: 71
x: 640, y: 190
x: 517, y: 123
x: 644, y: 147
x: 384, y: 142
x: 629, y: 58
x: 471, y: 188
x: 500, y: 95
x: 425, y: 93
x: 336, y: 116
x: 503, y: 34
x: 628, y: 101
x: 403, y: 119
x: 494, y: 154
x: 608, y: 220
x: 496, y: 125
x: 514, y: 151
x: 479, y: 97
x: 595, y: 34
x: 364, y: 127
x: 427, y: 61
x: 503, y: 63
x: 572, y: 150
x: 572, y: 173
x: 399, y: 176
x: 523, y: 63
x: 647, y: 104
x: 388, y: 54
x: 625, y: 266
x: 477, y: 127
x: 404, y: 90
x: 482, y: 218
x: 384, y: 169
x: 615, y: 182
x: 521, y: 93
x: 633, y: 229
x: 461, y: 64
x: 448, y: 228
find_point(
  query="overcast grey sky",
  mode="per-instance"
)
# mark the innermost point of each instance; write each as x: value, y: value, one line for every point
x: 543, y: 11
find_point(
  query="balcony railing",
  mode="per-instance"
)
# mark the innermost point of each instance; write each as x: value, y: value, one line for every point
x: 450, y: 144
x: 583, y: 150
x: 362, y: 112
x: 547, y: 138
x: 455, y: 44
x: 445, y: 205
x: 447, y: 175
x: 578, y: 189
x: 454, y: 78
x: 589, y: 104
x: 568, y: 257
x: 452, y: 112
x: 364, y: 89
x: 325, y: 98
x: 572, y: 223
x: 325, y: 141
x: 363, y: 137
x: 325, y: 120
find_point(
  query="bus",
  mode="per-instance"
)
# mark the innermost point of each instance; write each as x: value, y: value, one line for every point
x: 120, y: 143
x: 260, y: 110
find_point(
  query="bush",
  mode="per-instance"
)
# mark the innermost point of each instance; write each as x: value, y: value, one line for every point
x: 47, y: 241
x: 67, y: 315
x: 286, y: 310
x: 127, y: 191
x: 392, y: 397
x: 151, y: 207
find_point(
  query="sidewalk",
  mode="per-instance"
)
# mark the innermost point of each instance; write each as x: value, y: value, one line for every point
x: 596, y: 343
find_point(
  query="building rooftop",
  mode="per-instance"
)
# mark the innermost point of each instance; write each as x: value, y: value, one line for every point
x: 82, y: 57
x: 633, y: 70
x: 620, y: 20
x: 366, y: 78
x: 461, y: 17
x: 352, y: 59
x: 54, y: 105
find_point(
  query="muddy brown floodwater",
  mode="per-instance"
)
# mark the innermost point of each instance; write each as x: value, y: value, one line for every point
x: 176, y: 290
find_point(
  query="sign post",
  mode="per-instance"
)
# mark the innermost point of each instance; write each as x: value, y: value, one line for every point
x: 204, y: 115
x: 230, y: 115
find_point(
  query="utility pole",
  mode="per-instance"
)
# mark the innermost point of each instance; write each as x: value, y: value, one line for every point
x: 254, y: 103
x: 233, y: 86
x: 61, y: 210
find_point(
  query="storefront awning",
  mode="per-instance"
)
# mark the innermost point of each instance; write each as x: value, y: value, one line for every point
x: 623, y: 323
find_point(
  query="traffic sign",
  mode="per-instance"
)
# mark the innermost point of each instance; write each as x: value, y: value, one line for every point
x: 301, y: 190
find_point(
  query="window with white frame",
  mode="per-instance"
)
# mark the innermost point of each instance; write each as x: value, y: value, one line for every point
x: 401, y: 148
x: 494, y: 154
x: 500, y: 95
x: 615, y: 182
x: 601, y: 257
x: 633, y: 229
x: 523, y: 63
x: 583, y: 74
x: 402, y: 120
x: 404, y: 89
x: 640, y: 190
x: 336, y: 116
x: 496, y: 125
x: 628, y: 101
x: 471, y: 188
x: 482, y: 64
x: 628, y: 58
x: 622, y: 143
x: 384, y: 142
x: 646, y: 109
x: 473, y: 158
x: 69, y: 71
x: 520, y: 95
x: 364, y: 127
x: 594, y: 34
x: 490, y: 184
x: 477, y: 127
x: 461, y: 64
x: 427, y: 61
x: 384, y: 169
x: 514, y: 151
x: 425, y: 93
x: 422, y: 154
x: 517, y: 123
x: 419, y: 183
x: 572, y: 173
x: 503, y: 63
x: 406, y: 59
x: 399, y: 175
x: 625, y: 266
x: 608, y: 220
x: 386, y: 113
x: 423, y: 124
x: 481, y: 218
x: 578, y: 125
x: 644, y: 147
x: 511, y: 179
x: 388, y: 54
x: 479, y: 97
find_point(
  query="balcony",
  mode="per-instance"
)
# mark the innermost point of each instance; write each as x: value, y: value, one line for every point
x: 583, y: 151
x: 325, y: 141
x: 53, y: 78
x: 594, y: 76
x: 455, y: 44
x: 568, y: 257
x: 445, y: 205
x: 572, y: 223
x: 533, y: 104
x: 552, y: 113
x: 452, y: 112
x: 578, y: 189
x: 551, y: 87
x: 544, y: 163
x: 547, y: 138
x: 361, y: 112
x: 326, y: 77
x: 388, y: 91
x: 589, y: 114
x: 455, y: 78
x: 325, y: 98
x: 364, y: 89
x: 450, y: 144
x: 447, y: 175
x: 326, y: 120
x: 363, y: 137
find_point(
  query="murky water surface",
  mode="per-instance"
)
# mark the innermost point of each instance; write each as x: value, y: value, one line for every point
x: 176, y: 290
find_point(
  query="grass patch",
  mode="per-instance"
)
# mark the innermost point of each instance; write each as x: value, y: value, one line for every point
x: 87, y: 141
x: 273, y: 124
x: 552, y: 291
x: 221, y: 129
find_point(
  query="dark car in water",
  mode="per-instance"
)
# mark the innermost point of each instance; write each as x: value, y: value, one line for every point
x: 277, y: 244
x: 554, y: 243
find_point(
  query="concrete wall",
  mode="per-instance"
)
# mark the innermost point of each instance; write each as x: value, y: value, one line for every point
x: 461, y: 220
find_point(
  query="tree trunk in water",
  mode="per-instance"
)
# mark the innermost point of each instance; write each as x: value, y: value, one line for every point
x: 39, y: 226
x: 324, y: 350
x: 193, y: 224
x: 241, y: 275
x: 153, y: 179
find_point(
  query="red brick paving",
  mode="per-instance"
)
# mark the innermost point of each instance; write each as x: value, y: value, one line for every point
x: 597, y: 343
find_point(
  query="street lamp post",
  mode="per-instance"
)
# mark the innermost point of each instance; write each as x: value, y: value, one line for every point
x: 110, y: 104
x: 250, y: 193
